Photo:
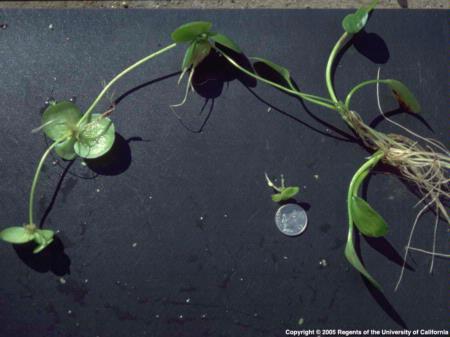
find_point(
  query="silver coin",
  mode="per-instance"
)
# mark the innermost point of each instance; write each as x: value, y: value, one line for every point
x: 291, y: 219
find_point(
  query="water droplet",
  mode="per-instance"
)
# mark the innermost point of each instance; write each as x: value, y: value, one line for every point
x: 323, y: 263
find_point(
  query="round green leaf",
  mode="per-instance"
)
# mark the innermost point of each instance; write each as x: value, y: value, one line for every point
x: 66, y: 149
x: 366, y: 219
x: 95, y: 138
x: 16, y: 235
x: 60, y: 119
x: 225, y: 41
x: 190, y: 31
x: 282, y: 71
x: 404, y: 96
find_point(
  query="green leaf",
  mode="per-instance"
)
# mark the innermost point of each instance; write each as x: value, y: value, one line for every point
x: 48, y: 234
x: 353, y: 23
x: 60, y: 119
x: 43, y: 237
x: 16, y: 235
x: 354, y: 260
x: 368, y: 221
x: 225, y: 41
x: 190, y: 31
x: 66, y: 149
x: 404, y: 96
x: 284, y: 72
x: 95, y: 138
x: 188, y: 56
x: 286, y: 194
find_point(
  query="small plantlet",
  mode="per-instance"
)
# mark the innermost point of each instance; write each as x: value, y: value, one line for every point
x: 284, y: 193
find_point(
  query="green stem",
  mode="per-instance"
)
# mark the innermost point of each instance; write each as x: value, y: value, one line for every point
x: 359, y: 86
x: 307, y: 97
x: 331, y: 58
x: 115, y: 79
x: 36, y: 179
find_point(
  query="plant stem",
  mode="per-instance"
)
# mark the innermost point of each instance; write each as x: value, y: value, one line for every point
x: 362, y: 172
x: 307, y: 97
x: 124, y: 72
x: 359, y: 86
x: 330, y: 62
x: 36, y: 179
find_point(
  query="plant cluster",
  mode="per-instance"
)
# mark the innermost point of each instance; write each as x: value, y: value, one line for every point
x: 91, y: 135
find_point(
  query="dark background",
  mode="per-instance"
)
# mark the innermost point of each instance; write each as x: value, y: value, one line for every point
x: 232, y: 273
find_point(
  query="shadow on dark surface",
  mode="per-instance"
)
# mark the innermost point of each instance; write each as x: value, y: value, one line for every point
x: 51, y: 259
x: 372, y: 46
x: 55, y: 194
x: 115, y: 161
x: 377, y: 120
x: 377, y: 294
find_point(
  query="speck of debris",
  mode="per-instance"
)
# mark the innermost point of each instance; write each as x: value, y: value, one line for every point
x: 269, y: 109
x: 150, y: 197
x: 255, y: 314
x: 97, y: 190
x: 3, y: 25
x: 188, y: 300
x: 241, y: 279
x: 86, y: 281
x: 50, y: 26
x: 285, y: 257
x: 201, y: 218
x: 180, y: 316
x: 301, y: 321
x: 316, y: 176
x: 134, y: 244
x: 203, y: 316
x: 156, y: 316
x: 225, y: 216
x: 69, y: 312
x: 54, y: 162
x: 124, y: 4
x: 62, y: 280
x: 323, y: 263
x: 83, y: 163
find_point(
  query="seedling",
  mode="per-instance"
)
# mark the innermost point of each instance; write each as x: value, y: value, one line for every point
x: 284, y: 193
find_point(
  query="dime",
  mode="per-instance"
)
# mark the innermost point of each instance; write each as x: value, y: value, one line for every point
x: 291, y: 219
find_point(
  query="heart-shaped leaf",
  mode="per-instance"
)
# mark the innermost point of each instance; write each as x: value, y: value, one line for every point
x: 16, y: 235
x: 282, y: 71
x: 66, y: 149
x: 60, y: 119
x: 95, y: 138
x: 354, y: 260
x: 225, y: 41
x: 404, y: 96
x: 366, y: 219
x: 353, y: 23
x: 190, y: 31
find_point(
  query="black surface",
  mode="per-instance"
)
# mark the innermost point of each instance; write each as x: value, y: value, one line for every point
x: 241, y: 276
